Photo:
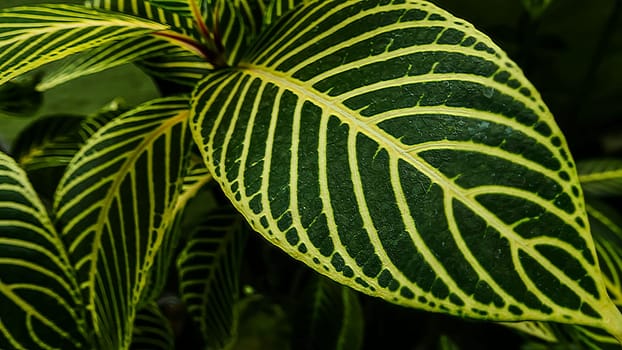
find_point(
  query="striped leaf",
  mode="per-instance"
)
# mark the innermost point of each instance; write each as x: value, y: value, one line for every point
x: 33, y: 36
x: 105, y: 57
x: 52, y: 141
x: 209, y: 269
x: 330, y: 317
x: 601, y: 177
x: 40, y: 300
x: 541, y: 330
x: 396, y: 149
x: 152, y: 331
x: 114, y: 205
x: 145, y: 9
x: 278, y: 8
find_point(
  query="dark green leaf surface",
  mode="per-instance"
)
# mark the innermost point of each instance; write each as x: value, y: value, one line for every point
x: 209, y: 269
x: 40, y: 303
x: 114, y: 205
x: 398, y: 150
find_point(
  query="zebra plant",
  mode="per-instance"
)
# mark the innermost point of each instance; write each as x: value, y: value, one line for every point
x: 386, y: 144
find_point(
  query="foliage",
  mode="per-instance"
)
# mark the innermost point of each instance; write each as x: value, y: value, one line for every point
x: 388, y: 145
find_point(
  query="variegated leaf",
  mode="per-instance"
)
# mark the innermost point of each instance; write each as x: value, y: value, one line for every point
x: 33, y: 36
x: 601, y: 177
x: 396, y: 149
x: 114, y: 205
x: 40, y: 302
x: 209, y: 269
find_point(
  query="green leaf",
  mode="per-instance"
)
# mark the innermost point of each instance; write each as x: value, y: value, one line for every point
x: 445, y: 343
x: 278, y: 8
x: 152, y: 331
x: 194, y: 180
x: 536, y: 7
x: 33, y: 36
x: 601, y: 177
x: 397, y: 150
x: 606, y: 225
x: 105, y: 57
x: 209, y: 268
x: 540, y: 330
x: 39, y: 295
x: 21, y: 98
x: 330, y: 317
x: 115, y: 203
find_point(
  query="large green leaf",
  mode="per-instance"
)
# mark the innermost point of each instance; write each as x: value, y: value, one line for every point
x: 209, y: 268
x: 114, y: 205
x: 396, y: 149
x: 33, y: 36
x: 40, y: 300
x: 329, y: 317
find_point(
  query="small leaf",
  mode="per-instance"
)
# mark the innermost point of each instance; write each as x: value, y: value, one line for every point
x: 115, y: 203
x: 601, y: 177
x: 21, y: 98
x: 330, y: 317
x: 209, y: 276
x: 40, y: 299
x: 152, y: 331
x: 536, y: 7
x: 606, y: 225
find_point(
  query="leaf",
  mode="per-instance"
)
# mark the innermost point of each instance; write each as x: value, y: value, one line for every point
x: 33, y: 36
x: 541, y: 330
x: 193, y: 181
x: 536, y: 7
x: 39, y: 295
x: 330, y: 317
x: 105, y: 57
x: 115, y: 203
x: 20, y: 98
x: 44, y: 148
x: 601, y: 177
x: 152, y: 331
x: 208, y: 270
x: 445, y: 343
x: 606, y: 225
x: 397, y: 150
x: 278, y: 8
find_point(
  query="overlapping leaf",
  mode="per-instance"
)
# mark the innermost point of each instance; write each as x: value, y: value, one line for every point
x: 330, y: 317
x: 114, y: 204
x: 601, y: 177
x: 398, y: 150
x: 33, y: 36
x: 152, y: 331
x: 40, y: 301
x: 209, y: 276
